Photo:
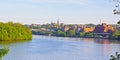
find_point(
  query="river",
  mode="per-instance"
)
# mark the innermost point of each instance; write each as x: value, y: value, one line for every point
x: 62, y: 48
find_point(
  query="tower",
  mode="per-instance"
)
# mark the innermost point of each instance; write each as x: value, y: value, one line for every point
x: 57, y: 21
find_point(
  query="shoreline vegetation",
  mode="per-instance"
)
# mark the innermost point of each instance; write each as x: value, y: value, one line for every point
x: 114, y: 35
x: 78, y: 36
x: 14, y: 32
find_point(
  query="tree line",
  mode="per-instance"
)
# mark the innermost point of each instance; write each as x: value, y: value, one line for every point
x: 14, y: 31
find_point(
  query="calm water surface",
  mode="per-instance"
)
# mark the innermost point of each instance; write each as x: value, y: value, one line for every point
x: 61, y: 48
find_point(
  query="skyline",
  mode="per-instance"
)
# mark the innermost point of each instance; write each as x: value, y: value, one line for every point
x: 67, y: 11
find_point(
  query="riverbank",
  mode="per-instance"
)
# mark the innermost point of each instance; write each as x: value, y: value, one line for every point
x: 114, y: 35
x: 78, y: 37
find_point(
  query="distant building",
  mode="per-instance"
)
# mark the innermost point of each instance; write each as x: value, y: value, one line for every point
x: 43, y: 29
x: 88, y: 29
x: 65, y: 28
x: 108, y: 29
x: 58, y: 22
x: 103, y: 28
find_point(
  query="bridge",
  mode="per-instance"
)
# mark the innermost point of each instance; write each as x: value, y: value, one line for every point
x: 101, y: 35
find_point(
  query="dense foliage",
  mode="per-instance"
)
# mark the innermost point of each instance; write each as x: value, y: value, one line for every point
x: 115, y: 35
x: 60, y: 33
x: 14, y: 31
x: 86, y: 34
x: 71, y: 33
x: 3, y: 52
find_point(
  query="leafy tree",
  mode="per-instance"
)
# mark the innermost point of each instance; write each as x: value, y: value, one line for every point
x: 3, y: 52
x: 63, y: 34
x: 82, y: 34
x: 71, y: 33
x: 115, y: 35
x: 88, y: 34
x: 60, y: 33
x: 14, y: 31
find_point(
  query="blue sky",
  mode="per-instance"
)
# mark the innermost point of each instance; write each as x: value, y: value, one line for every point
x: 68, y: 11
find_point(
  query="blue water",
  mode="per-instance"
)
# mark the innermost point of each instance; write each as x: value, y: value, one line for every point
x: 62, y: 48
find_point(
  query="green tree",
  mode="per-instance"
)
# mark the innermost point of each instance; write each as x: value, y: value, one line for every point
x: 60, y: 33
x: 14, y: 31
x: 88, y: 34
x: 3, y: 52
x: 71, y: 33
x: 115, y: 35
x: 82, y: 34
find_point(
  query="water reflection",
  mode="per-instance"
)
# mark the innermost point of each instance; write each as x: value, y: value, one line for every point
x: 106, y: 41
x: 88, y: 39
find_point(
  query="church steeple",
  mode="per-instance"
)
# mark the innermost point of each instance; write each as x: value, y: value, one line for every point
x: 57, y: 21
